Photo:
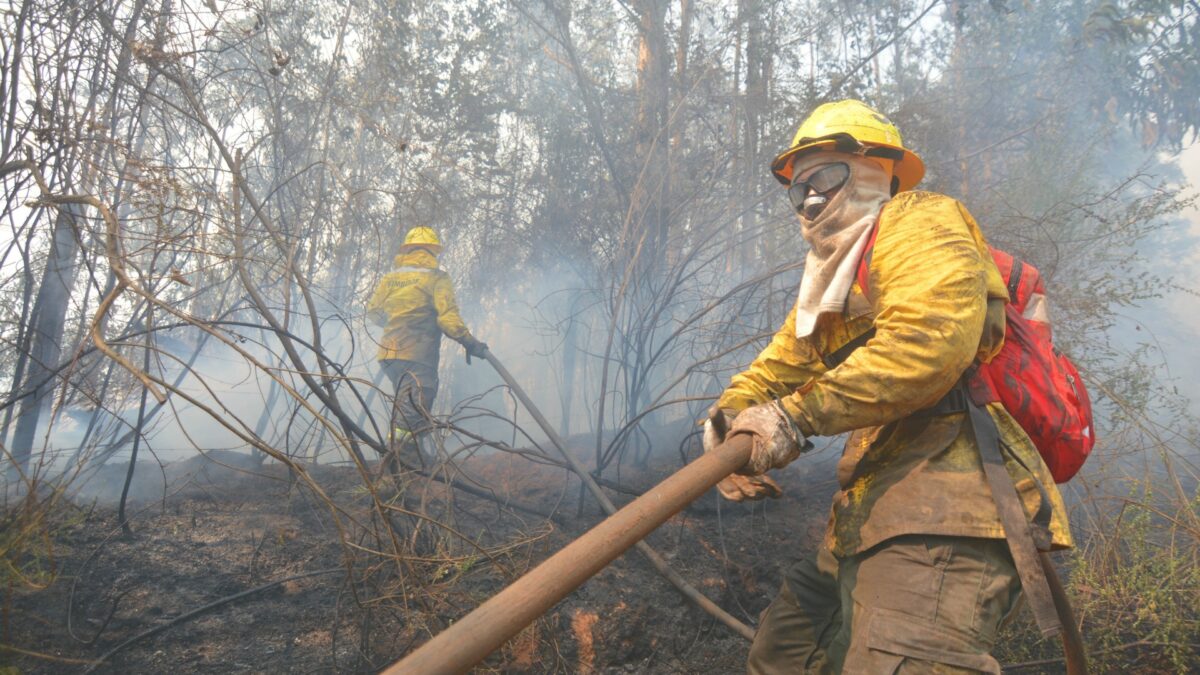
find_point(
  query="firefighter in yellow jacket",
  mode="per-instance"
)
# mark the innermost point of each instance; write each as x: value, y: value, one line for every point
x: 914, y: 574
x: 415, y: 304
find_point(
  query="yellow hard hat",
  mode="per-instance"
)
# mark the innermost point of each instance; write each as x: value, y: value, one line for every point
x: 855, y: 127
x: 421, y: 237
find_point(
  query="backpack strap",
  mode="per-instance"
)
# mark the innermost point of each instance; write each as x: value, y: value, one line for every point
x: 863, y: 274
x: 842, y: 353
x: 1017, y: 530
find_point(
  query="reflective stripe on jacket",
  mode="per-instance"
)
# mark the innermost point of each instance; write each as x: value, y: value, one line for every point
x: 936, y: 305
x: 415, y: 304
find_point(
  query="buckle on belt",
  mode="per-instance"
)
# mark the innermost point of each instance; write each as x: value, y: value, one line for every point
x: 955, y: 401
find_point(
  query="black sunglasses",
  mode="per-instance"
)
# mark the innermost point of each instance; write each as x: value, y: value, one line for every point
x: 822, y: 180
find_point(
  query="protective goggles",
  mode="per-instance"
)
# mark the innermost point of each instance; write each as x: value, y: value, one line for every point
x: 824, y: 179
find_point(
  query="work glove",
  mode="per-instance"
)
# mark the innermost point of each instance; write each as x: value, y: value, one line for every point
x: 474, y: 347
x: 735, y: 487
x: 777, y: 439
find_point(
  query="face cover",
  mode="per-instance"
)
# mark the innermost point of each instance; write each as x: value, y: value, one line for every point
x: 837, y: 234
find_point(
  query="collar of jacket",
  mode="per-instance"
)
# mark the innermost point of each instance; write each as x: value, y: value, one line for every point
x: 417, y: 258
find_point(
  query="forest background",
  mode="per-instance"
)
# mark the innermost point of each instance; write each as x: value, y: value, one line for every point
x: 200, y: 196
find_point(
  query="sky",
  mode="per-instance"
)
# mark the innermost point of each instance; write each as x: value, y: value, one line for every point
x: 1172, y: 322
x: 1183, y: 316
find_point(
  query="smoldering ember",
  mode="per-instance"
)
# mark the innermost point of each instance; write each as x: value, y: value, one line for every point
x: 594, y: 336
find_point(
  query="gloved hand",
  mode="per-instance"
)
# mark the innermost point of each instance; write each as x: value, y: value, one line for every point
x: 735, y: 487
x: 474, y: 347
x: 777, y: 439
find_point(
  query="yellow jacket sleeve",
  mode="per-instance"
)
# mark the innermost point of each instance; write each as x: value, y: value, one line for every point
x: 448, y: 318
x: 376, y: 313
x: 785, y: 365
x: 930, y: 277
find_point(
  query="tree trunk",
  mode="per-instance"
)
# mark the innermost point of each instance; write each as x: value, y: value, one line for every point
x: 753, y: 101
x: 682, y: 85
x: 570, y: 351
x: 651, y: 193
x: 49, y: 317
x: 138, y: 428
x: 52, y: 304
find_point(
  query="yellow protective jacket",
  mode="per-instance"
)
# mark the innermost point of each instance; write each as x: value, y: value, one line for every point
x: 937, y: 304
x: 415, y: 303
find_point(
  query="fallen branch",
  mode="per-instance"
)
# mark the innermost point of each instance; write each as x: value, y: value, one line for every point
x: 201, y: 610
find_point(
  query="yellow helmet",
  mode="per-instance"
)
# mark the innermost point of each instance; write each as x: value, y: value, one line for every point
x: 421, y: 237
x: 851, y: 126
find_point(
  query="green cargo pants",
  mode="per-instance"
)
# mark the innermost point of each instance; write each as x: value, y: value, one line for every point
x: 913, y: 604
x: 416, y: 386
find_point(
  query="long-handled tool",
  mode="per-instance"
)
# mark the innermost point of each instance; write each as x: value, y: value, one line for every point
x: 688, y: 591
x: 470, y: 639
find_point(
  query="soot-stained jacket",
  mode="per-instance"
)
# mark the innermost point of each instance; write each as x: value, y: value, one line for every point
x: 415, y: 304
x: 936, y: 302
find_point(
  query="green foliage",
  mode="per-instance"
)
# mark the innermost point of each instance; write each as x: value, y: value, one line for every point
x: 1142, y: 584
x: 1150, y: 50
x: 450, y: 572
x: 28, y: 531
x: 1135, y: 585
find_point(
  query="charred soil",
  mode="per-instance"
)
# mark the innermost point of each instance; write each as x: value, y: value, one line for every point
x: 237, y: 570
x: 340, y: 607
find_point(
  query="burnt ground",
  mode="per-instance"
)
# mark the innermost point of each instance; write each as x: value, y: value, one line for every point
x: 223, y: 532
x: 220, y: 533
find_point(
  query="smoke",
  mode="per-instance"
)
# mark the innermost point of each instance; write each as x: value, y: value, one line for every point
x: 221, y: 394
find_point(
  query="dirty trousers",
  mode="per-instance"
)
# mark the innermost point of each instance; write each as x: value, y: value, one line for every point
x: 912, y: 604
x: 415, y: 385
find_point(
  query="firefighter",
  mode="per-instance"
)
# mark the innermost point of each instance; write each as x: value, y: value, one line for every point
x: 914, y: 573
x: 415, y: 304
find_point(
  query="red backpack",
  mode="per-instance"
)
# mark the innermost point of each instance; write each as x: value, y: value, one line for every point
x: 1037, y: 384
